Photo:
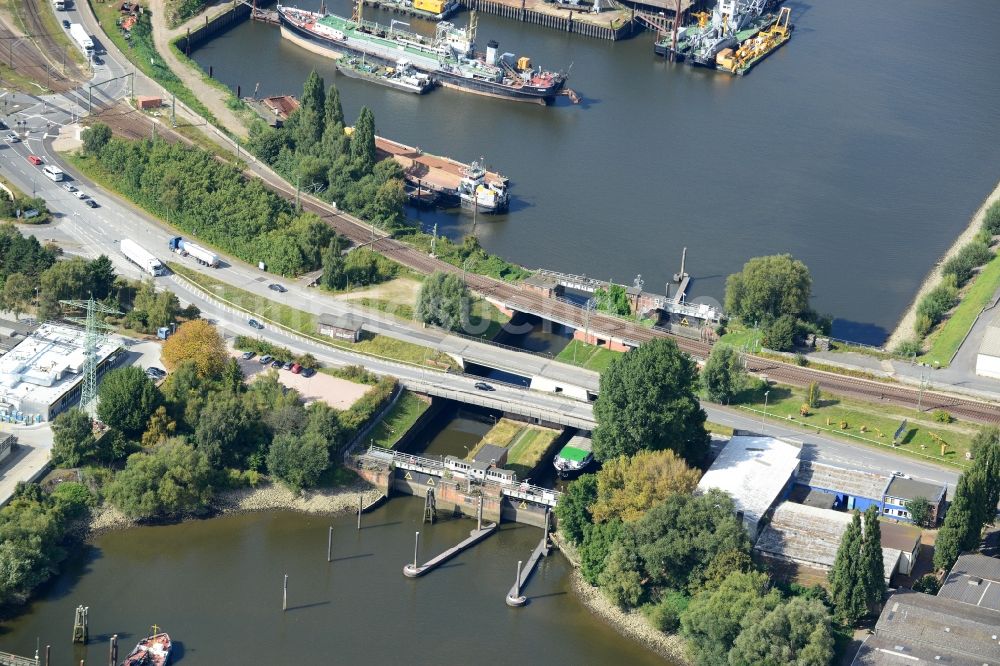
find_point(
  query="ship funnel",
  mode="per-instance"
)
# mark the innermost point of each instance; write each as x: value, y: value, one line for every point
x: 491, y: 52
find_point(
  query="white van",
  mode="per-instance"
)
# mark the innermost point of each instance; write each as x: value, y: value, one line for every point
x: 53, y: 172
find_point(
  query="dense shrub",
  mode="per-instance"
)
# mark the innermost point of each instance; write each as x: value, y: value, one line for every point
x: 966, y: 261
x: 991, y: 224
x: 933, y: 306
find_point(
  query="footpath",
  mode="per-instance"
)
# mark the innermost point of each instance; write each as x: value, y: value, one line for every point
x: 213, y: 98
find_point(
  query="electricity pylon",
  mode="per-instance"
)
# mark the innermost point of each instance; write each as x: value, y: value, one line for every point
x: 94, y: 337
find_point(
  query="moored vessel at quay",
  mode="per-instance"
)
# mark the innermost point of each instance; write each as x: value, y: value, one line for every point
x: 449, y: 57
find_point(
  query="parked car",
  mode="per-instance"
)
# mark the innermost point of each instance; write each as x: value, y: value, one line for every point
x: 287, y: 366
x: 483, y: 386
x: 91, y: 203
x: 80, y: 195
x: 265, y: 359
x: 12, y: 138
x: 308, y: 372
x: 277, y: 287
x: 69, y: 187
x: 276, y: 364
x: 155, y: 373
x: 66, y: 24
x: 247, y: 355
x: 255, y: 324
x: 296, y: 368
x: 35, y: 159
x: 3, y: 125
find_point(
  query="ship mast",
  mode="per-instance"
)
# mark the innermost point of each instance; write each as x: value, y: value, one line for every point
x: 356, y: 15
x: 470, y: 33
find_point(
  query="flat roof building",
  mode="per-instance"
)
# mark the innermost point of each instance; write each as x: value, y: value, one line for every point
x: 975, y: 580
x: 345, y: 327
x: 42, y: 375
x: 916, y: 628
x: 902, y: 490
x: 756, y: 472
x: 988, y: 358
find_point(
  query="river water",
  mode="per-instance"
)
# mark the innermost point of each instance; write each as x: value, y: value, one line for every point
x: 216, y: 586
x: 862, y: 147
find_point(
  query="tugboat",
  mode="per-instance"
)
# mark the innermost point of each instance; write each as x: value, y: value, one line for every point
x: 474, y: 191
x: 153, y: 650
x: 401, y: 77
x: 574, y: 457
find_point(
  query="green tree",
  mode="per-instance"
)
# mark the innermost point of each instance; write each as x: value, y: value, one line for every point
x: 363, y: 141
x: 333, y: 112
x: 334, y: 271
x: 298, y: 460
x: 172, y: 480
x: 723, y: 375
x: 197, y: 341
x: 779, y: 334
x: 443, y: 301
x: 127, y: 398
x: 714, y: 619
x: 628, y: 487
x: 647, y: 401
x: 678, y: 539
x: 573, y: 509
x: 621, y: 580
x: 814, y: 395
x: 872, y: 567
x: 769, y: 287
x: 847, y: 578
x: 598, y: 542
x: 95, y: 138
x: 920, y: 511
x: 613, y: 300
x: 102, y: 277
x: 796, y: 632
x: 17, y: 292
x: 72, y: 439
x: 225, y: 430
x: 65, y: 280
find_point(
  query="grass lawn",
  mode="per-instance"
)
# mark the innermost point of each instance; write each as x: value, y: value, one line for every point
x: 485, y: 320
x: 503, y: 432
x: 304, y: 322
x: 718, y: 429
x: 395, y: 309
x: 868, y: 423
x: 400, y: 418
x: 528, y: 449
x: 742, y: 338
x: 587, y: 356
x: 948, y: 338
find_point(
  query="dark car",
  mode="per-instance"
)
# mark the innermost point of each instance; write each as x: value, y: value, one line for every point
x: 308, y: 372
x: 255, y: 324
x: 483, y: 386
x: 91, y: 203
x: 277, y: 287
x: 155, y: 373
x: 248, y: 355
x: 65, y: 23
x: 276, y: 364
x: 265, y: 359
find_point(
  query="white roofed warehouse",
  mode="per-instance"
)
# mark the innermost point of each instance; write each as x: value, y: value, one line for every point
x: 757, y: 472
x: 42, y: 375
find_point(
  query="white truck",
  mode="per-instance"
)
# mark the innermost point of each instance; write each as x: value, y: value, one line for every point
x: 141, y: 258
x: 80, y: 36
x: 197, y: 252
x: 59, y: 5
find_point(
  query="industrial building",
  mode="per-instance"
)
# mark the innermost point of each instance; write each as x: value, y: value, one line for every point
x: 800, y: 544
x: 43, y: 374
x: 757, y: 472
x: 975, y: 580
x: 853, y: 489
x: 917, y: 628
x: 988, y: 358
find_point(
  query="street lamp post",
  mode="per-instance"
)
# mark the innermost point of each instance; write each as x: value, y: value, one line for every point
x: 766, y: 393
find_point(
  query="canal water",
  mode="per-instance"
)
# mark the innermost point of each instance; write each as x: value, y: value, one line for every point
x: 861, y: 147
x: 216, y: 587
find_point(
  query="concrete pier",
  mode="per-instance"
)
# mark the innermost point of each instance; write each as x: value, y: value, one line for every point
x: 515, y: 598
x: 475, y: 536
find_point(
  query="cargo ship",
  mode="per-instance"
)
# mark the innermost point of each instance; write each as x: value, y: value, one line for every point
x: 753, y: 50
x: 731, y: 24
x: 449, y: 57
x: 435, y: 10
x: 573, y: 458
x: 476, y: 192
x: 153, y: 650
x: 402, y: 76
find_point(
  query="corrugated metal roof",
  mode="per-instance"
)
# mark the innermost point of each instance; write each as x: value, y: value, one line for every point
x: 922, y: 626
x: 855, y: 483
x: 975, y: 580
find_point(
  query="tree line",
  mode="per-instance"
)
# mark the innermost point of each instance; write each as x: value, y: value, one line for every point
x: 165, y: 450
x: 210, y: 199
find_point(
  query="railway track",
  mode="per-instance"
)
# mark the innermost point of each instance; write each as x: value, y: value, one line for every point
x: 27, y: 55
x: 134, y: 125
